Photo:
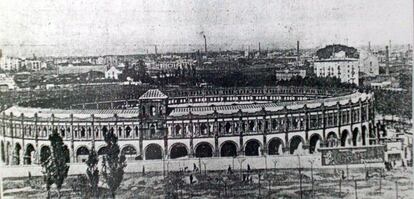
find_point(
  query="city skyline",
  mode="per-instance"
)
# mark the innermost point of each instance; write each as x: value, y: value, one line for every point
x: 49, y: 28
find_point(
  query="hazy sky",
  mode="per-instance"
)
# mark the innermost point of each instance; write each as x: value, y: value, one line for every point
x: 98, y: 27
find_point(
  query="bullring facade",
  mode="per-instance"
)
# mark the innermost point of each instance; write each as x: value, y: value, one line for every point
x: 181, y: 124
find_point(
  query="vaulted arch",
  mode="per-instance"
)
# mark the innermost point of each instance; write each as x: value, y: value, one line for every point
x: 275, y: 146
x: 203, y: 149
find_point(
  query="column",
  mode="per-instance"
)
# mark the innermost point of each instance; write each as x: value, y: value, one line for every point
x: 23, y: 132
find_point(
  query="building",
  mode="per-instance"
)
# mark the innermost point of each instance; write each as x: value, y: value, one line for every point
x: 9, y: 63
x: 65, y: 69
x: 339, y: 66
x: 182, y: 123
x: 33, y: 65
x: 113, y: 73
x: 369, y: 64
x: 287, y: 74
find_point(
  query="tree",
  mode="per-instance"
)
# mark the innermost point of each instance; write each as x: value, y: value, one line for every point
x: 113, y: 163
x: 55, y: 169
x: 93, y: 172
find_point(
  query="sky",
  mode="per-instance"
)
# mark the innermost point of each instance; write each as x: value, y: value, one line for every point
x: 99, y: 27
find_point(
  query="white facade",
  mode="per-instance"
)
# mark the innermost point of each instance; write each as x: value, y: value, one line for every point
x: 113, y: 73
x: 34, y: 65
x: 346, y: 69
x: 9, y: 63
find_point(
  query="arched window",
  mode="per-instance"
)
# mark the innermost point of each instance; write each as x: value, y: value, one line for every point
x: 152, y: 110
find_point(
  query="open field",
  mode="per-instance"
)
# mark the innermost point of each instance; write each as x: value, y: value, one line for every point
x: 280, y: 183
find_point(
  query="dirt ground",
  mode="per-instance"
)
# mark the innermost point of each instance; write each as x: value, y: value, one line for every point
x: 279, y: 183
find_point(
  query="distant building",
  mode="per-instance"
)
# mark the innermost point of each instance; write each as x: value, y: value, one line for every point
x: 65, y: 69
x: 346, y: 69
x: 287, y: 74
x: 381, y: 85
x: 33, y: 65
x: 113, y: 73
x: 9, y: 63
x: 369, y: 64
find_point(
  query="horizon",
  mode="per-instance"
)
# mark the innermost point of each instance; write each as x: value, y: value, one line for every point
x: 47, y: 28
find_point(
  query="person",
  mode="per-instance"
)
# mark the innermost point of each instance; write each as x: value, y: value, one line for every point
x: 191, y: 178
x: 143, y: 170
x: 229, y: 171
x: 248, y: 168
x: 195, y: 167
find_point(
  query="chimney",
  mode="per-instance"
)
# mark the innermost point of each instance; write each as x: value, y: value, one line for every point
x: 297, y: 52
x: 369, y: 46
x: 387, y: 61
x: 259, y: 47
x: 389, y: 45
x: 205, y: 44
x: 155, y: 49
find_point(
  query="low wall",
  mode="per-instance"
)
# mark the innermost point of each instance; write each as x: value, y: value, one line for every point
x: 222, y: 163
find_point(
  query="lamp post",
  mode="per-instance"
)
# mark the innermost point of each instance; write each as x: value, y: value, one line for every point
x: 205, y: 168
x: 396, y: 189
x: 300, y: 177
x: 313, y: 190
x: 275, y: 163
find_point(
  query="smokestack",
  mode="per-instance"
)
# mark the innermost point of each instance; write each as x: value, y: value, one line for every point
x: 205, y: 44
x: 259, y: 47
x: 369, y: 46
x: 389, y: 45
x: 155, y: 49
x: 387, y: 61
x: 297, y: 50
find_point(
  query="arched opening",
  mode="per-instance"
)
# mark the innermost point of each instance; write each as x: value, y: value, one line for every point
x: 228, y: 127
x: 364, y: 135
x: 314, y: 143
x: 252, y: 148
x: 152, y: 130
x: 28, y: 155
x: 17, y: 154
x: 345, y: 138
x: 178, y: 150
x: 83, y: 132
x: 153, y: 151
x: 296, y: 145
x: 332, y: 140
x: 44, y: 154
x: 119, y: 132
x: 228, y: 149
x: 355, y: 137
x: 251, y: 126
x: 62, y: 132
x: 129, y: 151
x: 203, y: 149
x: 177, y: 129
x: 2, y: 151
x: 275, y: 146
x: 82, y: 154
x: 8, y: 151
x: 152, y: 110
x: 102, y: 151
x: 104, y: 131
x: 203, y: 129
x: 128, y: 132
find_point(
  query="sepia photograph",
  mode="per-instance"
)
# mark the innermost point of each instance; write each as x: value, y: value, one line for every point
x: 206, y: 99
